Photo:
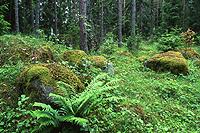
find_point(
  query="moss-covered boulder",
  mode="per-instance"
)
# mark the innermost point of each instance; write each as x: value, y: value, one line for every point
x: 189, y: 53
x: 98, y: 61
x: 61, y: 73
x: 43, y: 54
x: 74, y: 56
x: 37, y: 81
x: 168, y: 61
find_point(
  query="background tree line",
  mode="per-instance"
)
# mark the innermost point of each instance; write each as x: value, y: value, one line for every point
x: 95, y: 18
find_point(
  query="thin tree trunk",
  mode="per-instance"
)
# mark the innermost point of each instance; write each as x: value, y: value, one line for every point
x: 37, y: 16
x: 17, y: 16
x: 120, y: 23
x: 83, y: 32
x: 141, y: 16
x: 133, y: 23
x: 184, y: 14
x: 32, y: 15
x: 102, y: 20
x: 56, y: 17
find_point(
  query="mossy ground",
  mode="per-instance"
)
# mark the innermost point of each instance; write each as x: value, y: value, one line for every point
x: 156, y: 101
x: 170, y: 103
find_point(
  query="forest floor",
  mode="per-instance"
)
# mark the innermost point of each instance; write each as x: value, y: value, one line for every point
x: 166, y: 102
x: 156, y: 101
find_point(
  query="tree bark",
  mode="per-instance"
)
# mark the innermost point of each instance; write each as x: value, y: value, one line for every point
x: 142, y: 16
x: 102, y: 20
x: 17, y: 16
x: 120, y: 23
x: 56, y: 17
x: 82, y: 21
x: 133, y: 23
x: 37, y: 16
x: 184, y: 15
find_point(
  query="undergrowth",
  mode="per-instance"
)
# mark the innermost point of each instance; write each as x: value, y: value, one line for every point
x: 141, y: 100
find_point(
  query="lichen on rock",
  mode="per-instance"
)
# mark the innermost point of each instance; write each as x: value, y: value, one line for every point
x: 170, y: 61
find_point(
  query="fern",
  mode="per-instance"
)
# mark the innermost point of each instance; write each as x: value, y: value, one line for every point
x: 74, y: 110
x: 46, y: 117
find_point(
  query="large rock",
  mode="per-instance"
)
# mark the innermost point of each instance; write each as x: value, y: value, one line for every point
x: 168, y: 61
x: 37, y: 81
x: 74, y: 56
x: 98, y: 61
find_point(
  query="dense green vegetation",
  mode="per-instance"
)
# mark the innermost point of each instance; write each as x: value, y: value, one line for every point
x: 134, y: 99
x: 95, y: 66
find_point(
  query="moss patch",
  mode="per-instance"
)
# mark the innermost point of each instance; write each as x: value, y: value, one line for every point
x: 61, y: 73
x: 168, y: 61
x: 74, y: 56
x: 37, y: 81
x: 44, y: 54
x: 98, y: 61
x: 15, y: 53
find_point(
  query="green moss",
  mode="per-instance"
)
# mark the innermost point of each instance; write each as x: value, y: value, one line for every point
x: 37, y: 81
x: 15, y: 53
x: 74, y: 56
x: 61, y: 73
x: 189, y: 53
x: 98, y: 61
x: 168, y: 61
x: 44, y: 54
x: 39, y: 72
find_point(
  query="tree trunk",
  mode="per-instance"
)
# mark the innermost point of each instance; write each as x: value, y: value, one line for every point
x: 120, y: 23
x: 82, y: 21
x: 32, y: 15
x: 56, y: 17
x: 17, y: 16
x: 184, y: 15
x: 102, y: 20
x: 133, y: 23
x: 37, y: 16
x: 141, y: 16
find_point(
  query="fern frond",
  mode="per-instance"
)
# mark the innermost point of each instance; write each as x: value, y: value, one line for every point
x: 43, y: 106
x: 63, y: 102
x: 89, y: 98
x: 76, y: 120
x: 66, y: 88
